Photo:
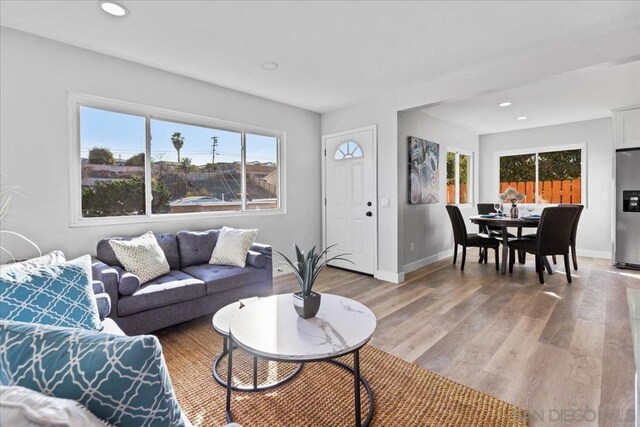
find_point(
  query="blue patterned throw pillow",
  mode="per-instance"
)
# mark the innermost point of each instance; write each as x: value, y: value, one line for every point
x: 121, y: 380
x: 55, y: 294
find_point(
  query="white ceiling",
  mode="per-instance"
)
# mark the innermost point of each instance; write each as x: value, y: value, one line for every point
x: 331, y: 54
x: 570, y: 98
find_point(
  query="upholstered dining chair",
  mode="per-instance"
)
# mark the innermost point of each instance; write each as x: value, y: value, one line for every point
x: 464, y: 239
x: 574, y: 233
x: 484, y: 209
x: 552, y: 238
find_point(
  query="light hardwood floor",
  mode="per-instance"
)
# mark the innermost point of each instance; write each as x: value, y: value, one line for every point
x: 554, y: 349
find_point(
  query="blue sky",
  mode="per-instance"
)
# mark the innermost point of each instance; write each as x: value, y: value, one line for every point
x: 124, y: 135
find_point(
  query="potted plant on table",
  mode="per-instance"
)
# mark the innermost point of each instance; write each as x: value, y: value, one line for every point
x: 306, y: 268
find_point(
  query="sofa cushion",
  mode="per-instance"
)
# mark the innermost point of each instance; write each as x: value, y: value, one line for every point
x: 122, y: 380
x: 168, y: 242
x: 54, y: 294
x: 220, y: 278
x: 166, y: 290
x: 23, y: 407
x: 111, y: 327
x: 196, y: 246
x: 53, y: 257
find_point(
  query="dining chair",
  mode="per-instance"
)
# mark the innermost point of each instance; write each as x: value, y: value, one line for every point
x: 552, y: 238
x: 472, y: 240
x: 484, y: 209
x: 574, y: 233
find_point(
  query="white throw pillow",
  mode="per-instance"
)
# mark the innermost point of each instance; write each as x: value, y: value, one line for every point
x: 141, y: 256
x: 22, y: 407
x: 232, y: 247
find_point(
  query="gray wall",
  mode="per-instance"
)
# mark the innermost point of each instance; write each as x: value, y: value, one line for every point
x: 36, y: 76
x: 428, y: 226
x: 382, y: 110
x: 594, y: 233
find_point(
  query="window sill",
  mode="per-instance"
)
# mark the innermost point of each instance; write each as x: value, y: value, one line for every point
x: 164, y: 218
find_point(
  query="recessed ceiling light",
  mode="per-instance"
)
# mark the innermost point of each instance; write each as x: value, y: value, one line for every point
x: 504, y: 104
x: 270, y: 66
x: 113, y: 8
x: 521, y: 118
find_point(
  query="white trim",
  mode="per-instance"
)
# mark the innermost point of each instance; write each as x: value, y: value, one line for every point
x: 416, y: 265
x: 388, y: 276
x: 150, y: 112
x: 470, y: 185
x: 324, y: 156
x: 537, y: 150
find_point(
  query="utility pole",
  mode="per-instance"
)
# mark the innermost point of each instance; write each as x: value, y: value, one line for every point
x: 214, y: 146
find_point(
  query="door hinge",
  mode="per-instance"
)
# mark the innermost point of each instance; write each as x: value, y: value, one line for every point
x: 325, y: 201
x: 325, y: 152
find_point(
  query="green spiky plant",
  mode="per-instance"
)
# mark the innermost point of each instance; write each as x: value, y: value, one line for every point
x: 308, y: 266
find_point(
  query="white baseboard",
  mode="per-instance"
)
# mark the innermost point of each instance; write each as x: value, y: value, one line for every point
x: 593, y: 254
x: 416, y: 265
x: 388, y: 276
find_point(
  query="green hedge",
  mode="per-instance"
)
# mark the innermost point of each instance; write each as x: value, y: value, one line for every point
x: 123, y: 197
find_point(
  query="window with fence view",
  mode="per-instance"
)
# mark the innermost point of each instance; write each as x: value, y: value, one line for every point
x: 193, y: 168
x: 459, y: 177
x: 544, y: 176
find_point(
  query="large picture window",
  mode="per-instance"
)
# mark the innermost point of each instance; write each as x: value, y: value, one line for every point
x: 552, y: 175
x: 459, y: 177
x: 136, y: 164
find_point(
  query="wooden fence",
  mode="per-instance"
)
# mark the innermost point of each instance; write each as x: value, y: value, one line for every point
x: 567, y: 191
x: 451, y: 193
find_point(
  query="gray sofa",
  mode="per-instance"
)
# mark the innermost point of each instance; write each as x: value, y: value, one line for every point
x: 193, y: 287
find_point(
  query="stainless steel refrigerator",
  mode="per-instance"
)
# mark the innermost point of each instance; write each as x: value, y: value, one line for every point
x: 628, y: 208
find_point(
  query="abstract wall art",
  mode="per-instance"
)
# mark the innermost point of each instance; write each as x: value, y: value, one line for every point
x: 424, y: 175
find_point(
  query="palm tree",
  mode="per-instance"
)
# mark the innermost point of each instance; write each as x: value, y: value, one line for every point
x: 178, y: 141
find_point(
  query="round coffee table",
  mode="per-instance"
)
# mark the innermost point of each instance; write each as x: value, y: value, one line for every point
x: 220, y: 322
x: 271, y: 329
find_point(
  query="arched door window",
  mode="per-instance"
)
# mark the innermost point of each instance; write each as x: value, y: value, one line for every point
x: 348, y: 150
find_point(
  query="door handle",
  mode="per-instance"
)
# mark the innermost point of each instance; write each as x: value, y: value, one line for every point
x: 369, y: 213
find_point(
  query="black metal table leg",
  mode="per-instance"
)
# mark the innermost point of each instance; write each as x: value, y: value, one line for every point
x: 229, y: 380
x: 255, y: 373
x: 356, y: 382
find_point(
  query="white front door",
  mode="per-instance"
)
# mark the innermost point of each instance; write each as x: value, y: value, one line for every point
x: 350, y: 190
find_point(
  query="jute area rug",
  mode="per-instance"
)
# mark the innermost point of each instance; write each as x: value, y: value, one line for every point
x: 322, y: 394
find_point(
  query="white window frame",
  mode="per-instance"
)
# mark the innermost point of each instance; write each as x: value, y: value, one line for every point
x: 536, y: 151
x: 458, y: 152
x: 75, y: 169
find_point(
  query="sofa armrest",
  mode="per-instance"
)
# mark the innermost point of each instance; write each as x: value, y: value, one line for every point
x: 262, y: 256
x: 258, y: 259
x: 262, y: 248
x: 98, y: 287
x: 109, y: 278
x: 104, y: 305
x: 128, y: 283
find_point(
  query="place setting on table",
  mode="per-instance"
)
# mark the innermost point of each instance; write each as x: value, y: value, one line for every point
x: 496, y: 224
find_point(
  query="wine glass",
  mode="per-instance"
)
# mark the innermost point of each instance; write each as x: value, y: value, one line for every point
x: 497, y: 207
x: 530, y: 208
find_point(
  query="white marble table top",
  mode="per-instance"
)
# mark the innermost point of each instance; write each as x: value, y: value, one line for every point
x: 222, y: 318
x: 271, y: 328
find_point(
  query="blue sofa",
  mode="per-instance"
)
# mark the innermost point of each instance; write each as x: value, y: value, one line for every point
x: 193, y: 287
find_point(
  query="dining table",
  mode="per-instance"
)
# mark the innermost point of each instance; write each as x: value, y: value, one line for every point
x: 504, y: 223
